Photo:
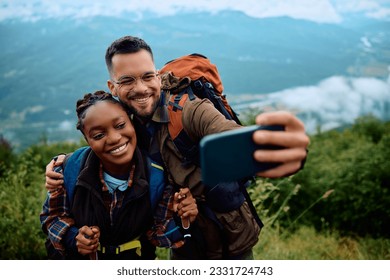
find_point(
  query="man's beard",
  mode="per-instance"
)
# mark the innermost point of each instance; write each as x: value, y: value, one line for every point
x: 145, y: 116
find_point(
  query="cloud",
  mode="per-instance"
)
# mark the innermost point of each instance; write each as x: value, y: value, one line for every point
x: 320, y: 10
x: 334, y: 102
x: 378, y: 9
x: 315, y: 10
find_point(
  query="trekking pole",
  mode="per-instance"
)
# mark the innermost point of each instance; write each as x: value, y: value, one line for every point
x: 185, y: 222
x: 94, y: 255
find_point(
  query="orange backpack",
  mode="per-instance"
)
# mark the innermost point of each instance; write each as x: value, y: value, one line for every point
x: 199, y: 77
x: 194, y: 75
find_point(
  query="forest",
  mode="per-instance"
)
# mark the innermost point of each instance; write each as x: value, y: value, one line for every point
x: 337, y: 207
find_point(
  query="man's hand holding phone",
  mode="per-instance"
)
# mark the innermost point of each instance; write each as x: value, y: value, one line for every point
x: 293, y: 140
x: 275, y: 147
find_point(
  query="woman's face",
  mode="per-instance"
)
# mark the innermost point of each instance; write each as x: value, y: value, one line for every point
x: 111, y: 135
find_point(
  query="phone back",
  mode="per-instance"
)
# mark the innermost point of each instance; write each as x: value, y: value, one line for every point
x: 228, y: 156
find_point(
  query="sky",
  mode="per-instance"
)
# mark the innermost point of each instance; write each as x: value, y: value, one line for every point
x: 327, y: 11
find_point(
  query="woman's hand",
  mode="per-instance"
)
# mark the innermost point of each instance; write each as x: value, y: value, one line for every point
x: 185, y: 206
x: 87, y: 240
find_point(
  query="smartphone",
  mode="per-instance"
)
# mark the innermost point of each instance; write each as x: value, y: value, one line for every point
x: 228, y: 156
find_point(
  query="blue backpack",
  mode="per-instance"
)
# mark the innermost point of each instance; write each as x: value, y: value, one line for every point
x: 75, y: 162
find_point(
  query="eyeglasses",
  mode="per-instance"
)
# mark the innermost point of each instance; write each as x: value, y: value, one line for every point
x: 129, y: 82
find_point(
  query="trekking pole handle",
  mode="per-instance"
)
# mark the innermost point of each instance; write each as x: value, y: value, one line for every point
x: 185, y: 223
x: 94, y: 255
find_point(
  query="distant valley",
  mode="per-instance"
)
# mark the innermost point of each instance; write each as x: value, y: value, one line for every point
x: 269, y: 63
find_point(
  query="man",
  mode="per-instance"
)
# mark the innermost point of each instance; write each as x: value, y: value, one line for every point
x: 136, y: 82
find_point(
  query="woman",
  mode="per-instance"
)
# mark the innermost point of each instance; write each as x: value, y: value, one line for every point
x: 110, y: 211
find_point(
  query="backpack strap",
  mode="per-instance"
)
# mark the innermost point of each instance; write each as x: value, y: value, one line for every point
x: 71, y: 170
x: 243, y: 188
x: 187, y: 148
x: 175, y: 110
x: 205, y: 89
x: 156, y: 181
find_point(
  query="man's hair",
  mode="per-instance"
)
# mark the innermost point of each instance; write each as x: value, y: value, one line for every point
x: 123, y: 45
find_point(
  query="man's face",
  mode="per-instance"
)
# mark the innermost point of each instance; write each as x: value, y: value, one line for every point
x: 135, y: 82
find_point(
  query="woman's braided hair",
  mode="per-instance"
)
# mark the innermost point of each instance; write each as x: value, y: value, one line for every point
x: 87, y: 101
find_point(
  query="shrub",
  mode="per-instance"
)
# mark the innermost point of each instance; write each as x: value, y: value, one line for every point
x: 6, y: 155
x: 21, y: 197
x: 22, y: 194
x: 355, y: 165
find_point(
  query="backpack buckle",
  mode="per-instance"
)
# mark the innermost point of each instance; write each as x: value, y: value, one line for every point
x: 209, y: 85
x: 111, y: 250
x: 116, y: 250
x: 198, y: 84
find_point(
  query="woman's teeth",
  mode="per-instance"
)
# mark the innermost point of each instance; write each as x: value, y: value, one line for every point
x: 119, y: 149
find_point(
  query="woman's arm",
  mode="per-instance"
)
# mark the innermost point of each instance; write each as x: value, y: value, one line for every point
x: 56, y: 221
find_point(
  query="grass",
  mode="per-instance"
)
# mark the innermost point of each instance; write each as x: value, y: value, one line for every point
x: 307, y: 244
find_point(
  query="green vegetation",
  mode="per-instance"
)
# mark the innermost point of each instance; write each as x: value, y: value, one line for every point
x: 336, y: 208
x: 22, y: 194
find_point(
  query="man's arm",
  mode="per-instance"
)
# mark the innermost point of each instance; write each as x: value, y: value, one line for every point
x: 54, y: 180
x: 202, y: 118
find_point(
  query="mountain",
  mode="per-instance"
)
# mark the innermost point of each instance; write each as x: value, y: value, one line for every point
x: 48, y: 64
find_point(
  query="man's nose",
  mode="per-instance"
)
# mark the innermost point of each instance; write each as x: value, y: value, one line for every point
x: 139, y: 85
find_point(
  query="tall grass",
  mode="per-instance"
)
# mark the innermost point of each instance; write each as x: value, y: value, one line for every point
x: 292, y: 241
x: 308, y: 244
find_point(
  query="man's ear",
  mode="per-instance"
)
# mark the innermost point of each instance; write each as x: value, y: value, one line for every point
x: 111, y: 87
x: 158, y: 75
